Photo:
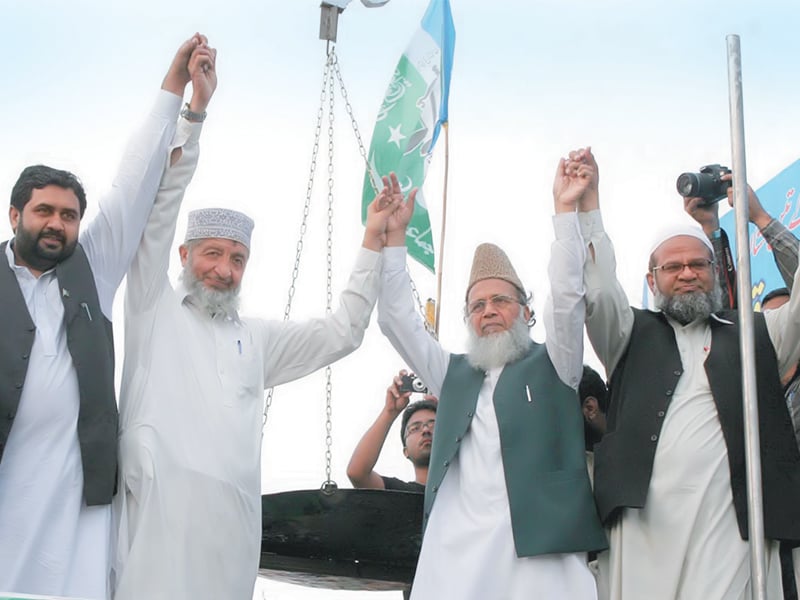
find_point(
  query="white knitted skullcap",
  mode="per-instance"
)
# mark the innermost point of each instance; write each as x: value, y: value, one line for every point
x: 219, y: 223
x: 678, y: 230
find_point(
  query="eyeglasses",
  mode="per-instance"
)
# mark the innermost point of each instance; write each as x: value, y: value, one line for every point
x: 499, y: 302
x: 697, y: 265
x: 418, y: 426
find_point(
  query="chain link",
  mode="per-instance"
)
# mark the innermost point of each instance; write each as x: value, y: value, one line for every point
x: 361, y: 148
x: 373, y: 177
x: 326, y: 77
x: 329, y: 282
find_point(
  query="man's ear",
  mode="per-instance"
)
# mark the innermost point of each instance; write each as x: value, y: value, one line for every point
x: 13, y: 217
x: 590, y: 407
x: 184, y: 252
x: 651, y: 282
x: 405, y: 452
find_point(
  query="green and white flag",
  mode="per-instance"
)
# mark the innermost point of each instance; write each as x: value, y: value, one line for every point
x: 410, y: 119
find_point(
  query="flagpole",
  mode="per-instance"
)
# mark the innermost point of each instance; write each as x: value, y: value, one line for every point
x: 446, y: 128
x: 755, y: 522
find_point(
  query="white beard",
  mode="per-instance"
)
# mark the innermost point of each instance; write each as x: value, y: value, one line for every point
x: 214, y: 302
x: 497, y: 349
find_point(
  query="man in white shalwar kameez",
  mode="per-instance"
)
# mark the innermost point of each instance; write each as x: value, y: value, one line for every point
x: 669, y: 473
x: 191, y: 406
x: 508, y: 501
x: 58, y: 467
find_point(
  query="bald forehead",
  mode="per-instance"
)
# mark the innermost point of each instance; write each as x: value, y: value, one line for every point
x: 678, y: 248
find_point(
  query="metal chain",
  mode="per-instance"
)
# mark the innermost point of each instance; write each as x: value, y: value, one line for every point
x: 304, y: 223
x: 361, y: 148
x: 363, y: 151
x: 329, y: 485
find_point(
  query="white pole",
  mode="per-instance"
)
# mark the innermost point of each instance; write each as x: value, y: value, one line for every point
x: 746, y: 343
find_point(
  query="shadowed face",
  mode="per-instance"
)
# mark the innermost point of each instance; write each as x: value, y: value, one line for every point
x: 419, y: 437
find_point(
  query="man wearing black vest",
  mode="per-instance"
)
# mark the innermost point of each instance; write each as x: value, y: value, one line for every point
x: 508, y: 502
x: 670, y: 470
x: 58, y: 414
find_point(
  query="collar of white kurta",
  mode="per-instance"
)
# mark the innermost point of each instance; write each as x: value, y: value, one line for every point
x: 188, y: 300
x: 714, y: 316
x: 12, y: 263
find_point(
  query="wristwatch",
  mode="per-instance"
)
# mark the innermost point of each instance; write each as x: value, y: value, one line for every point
x: 194, y: 117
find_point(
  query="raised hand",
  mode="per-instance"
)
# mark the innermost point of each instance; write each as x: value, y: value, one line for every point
x: 576, y: 182
x: 396, y: 401
x: 388, y: 216
x: 707, y: 215
x: 203, y: 72
x: 178, y: 76
x: 756, y: 212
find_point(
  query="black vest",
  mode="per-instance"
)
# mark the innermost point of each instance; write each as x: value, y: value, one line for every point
x: 91, y: 345
x: 641, y: 387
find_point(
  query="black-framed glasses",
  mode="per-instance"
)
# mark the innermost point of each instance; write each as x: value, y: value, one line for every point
x: 698, y: 265
x: 499, y: 301
x: 418, y: 426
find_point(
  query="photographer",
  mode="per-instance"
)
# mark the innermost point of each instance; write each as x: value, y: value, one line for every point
x: 783, y: 242
x: 416, y: 433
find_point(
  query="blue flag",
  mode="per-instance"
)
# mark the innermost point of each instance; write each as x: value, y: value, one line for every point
x: 410, y: 119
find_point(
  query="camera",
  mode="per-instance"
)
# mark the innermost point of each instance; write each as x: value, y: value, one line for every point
x: 412, y: 383
x: 707, y: 184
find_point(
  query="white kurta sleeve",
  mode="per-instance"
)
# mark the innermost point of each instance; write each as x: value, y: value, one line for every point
x: 783, y: 324
x: 293, y: 349
x: 609, y: 318
x: 147, y: 276
x: 565, y: 309
x: 403, y: 325
x: 111, y: 239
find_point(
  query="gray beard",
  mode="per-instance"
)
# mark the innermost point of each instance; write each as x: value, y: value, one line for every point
x: 497, y: 349
x: 214, y: 302
x: 685, y: 308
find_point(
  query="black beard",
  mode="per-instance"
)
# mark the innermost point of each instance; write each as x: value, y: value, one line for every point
x: 30, y: 251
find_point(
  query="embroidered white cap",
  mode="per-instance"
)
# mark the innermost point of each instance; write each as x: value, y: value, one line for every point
x: 219, y: 223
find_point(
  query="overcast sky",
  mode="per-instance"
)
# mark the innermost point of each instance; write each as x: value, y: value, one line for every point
x: 643, y: 82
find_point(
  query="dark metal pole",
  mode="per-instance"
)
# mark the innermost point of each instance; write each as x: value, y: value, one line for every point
x: 747, y: 349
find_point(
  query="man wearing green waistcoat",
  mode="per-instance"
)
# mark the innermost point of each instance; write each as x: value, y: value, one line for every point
x: 508, y: 504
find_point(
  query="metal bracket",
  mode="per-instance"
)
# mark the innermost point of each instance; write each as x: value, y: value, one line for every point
x: 328, y: 21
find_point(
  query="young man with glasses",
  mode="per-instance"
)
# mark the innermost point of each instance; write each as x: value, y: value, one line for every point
x: 416, y: 433
x: 508, y: 504
x: 669, y: 475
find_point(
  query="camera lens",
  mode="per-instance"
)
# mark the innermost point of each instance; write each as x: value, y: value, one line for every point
x: 688, y: 185
x: 418, y: 385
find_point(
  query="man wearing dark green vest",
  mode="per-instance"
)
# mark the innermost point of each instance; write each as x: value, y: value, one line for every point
x: 508, y: 504
x: 669, y: 473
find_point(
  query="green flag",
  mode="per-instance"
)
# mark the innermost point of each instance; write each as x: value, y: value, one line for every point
x: 409, y: 121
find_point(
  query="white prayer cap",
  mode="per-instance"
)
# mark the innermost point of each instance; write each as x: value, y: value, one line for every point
x: 219, y: 223
x: 677, y: 230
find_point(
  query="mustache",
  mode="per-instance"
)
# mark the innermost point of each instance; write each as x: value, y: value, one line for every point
x: 53, y: 234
